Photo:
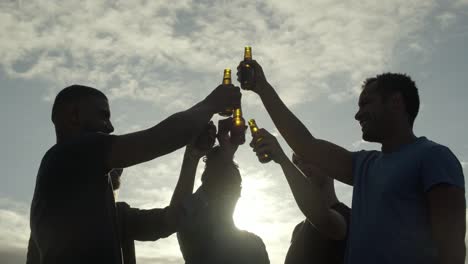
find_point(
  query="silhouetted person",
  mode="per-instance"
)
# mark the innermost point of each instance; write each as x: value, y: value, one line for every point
x: 73, y: 214
x: 320, y: 238
x: 208, y: 234
x: 408, y: 200
x: 133, y: 224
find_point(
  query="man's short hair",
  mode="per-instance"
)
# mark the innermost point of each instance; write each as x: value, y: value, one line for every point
x: 220, y: 168
x: 391, y: 83
x: 71, y: 95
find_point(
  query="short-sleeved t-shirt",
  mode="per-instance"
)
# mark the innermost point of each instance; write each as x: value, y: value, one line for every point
x: 308, y: 245
x: 390, y: 222
x: 73, y: 217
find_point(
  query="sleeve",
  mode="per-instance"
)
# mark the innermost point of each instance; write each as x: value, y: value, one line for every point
x: 147, y: 225
x: 89, y: 153
x: 360, y: 159
x: 439, y: 165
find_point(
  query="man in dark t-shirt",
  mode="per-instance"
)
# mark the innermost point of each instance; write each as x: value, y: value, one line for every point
x: 73, y: 217
x: 132, y: 224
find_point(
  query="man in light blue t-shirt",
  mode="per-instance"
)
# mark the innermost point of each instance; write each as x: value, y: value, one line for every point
x: 409, y: 199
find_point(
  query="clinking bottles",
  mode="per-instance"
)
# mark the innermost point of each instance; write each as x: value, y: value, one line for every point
x: 227, y: 80
x: 247, y: 72
x: 253, y: 130
x: 238, y: 128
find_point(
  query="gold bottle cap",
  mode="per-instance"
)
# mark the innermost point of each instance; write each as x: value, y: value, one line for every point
x: 237, y: 112
x: 237, y: 117
x: 227, y: 76
x: 253, y: 126
x: 247, y: 53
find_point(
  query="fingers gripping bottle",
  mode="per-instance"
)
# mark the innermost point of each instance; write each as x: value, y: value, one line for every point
x: 238, y: 127
x: 227, y: 80
x: 254, y: 130
x: 247, y: 72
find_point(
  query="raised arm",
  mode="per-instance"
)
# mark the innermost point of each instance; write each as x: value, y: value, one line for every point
x: 333, y: 159
x: 173, y: 133
x: 192, y: 155
x: 311, y: 195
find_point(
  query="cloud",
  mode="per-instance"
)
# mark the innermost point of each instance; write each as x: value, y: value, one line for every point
x: 12, y: 255
x: 162, y: 53
x: 446, y: 19
x: 14, y: 230
x: 362, y: 144
x: 172, y: 55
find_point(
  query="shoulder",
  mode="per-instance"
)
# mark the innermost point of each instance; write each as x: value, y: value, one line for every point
x: 298, y: 228
x: 362, y: 156
x: 75, y: 145
x: 438, y: 164
x: 251, y: 239
x: 254, y: 247
x: 432, y: 148
x: 122, y: 206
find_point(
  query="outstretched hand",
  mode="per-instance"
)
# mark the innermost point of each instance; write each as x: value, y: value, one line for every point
x: 204, y: 142
x: 264, y: 143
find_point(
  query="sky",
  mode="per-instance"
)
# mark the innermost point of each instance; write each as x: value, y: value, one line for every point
x: 155, y: 58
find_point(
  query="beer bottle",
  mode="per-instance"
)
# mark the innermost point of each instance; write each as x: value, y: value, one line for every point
x: 254, y: 130
x: 247, y: 71
x: 226, y: 80
x: 238, y: 127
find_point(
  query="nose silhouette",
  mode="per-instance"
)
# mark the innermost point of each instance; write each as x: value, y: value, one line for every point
x: 358, y: 115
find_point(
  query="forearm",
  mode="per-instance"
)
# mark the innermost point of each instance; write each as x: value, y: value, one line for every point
x: 309, y: 197
x: 184, y: 187
x: 171, y: 134
x: 179, y: 129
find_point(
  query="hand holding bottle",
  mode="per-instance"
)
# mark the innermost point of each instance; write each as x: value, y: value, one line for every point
x: 204, y: 142
x: 224, y: 96
x: 250, y: 74
x: 268, y: 145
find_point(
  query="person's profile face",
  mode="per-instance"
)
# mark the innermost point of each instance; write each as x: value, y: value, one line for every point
x: 372, y: 114
x: 95, y: 115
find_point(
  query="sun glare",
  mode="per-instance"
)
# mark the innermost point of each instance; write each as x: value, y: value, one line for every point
x: 252, y: 207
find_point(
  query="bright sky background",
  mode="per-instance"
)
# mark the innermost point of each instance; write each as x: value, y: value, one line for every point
x: 154, y: 58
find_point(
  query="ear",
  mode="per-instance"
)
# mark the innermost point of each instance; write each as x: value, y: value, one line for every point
x: 73, y: 114
x: 396, y: 102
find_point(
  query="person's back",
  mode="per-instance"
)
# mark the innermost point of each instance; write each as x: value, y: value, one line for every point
x: 207, y: 234
x: 309, y: 245
x: 204, y: 240
x: 73, y: 212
